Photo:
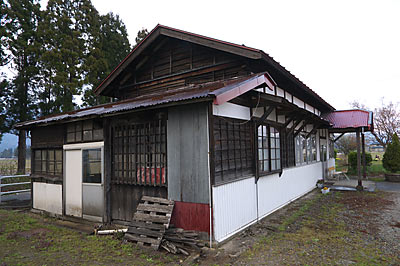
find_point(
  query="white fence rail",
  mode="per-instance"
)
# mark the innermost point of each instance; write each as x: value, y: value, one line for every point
x: 12, y: 184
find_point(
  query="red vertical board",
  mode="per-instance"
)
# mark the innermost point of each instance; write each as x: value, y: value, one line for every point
x: 191, y: 216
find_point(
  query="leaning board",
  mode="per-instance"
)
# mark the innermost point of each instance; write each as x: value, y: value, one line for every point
x: 150, y: 221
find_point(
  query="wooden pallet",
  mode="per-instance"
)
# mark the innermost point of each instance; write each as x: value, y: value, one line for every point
x: 150, y: 221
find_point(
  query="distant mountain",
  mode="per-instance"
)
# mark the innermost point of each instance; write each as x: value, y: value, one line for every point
x: 11, y: 141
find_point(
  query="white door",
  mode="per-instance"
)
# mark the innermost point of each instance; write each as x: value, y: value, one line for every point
x: 73, y: 182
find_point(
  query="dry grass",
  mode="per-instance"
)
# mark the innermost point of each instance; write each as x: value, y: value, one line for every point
x: 9, y: 166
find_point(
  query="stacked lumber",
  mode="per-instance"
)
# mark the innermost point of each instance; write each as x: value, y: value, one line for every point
x: 177, y: 240
x: 151, y: 219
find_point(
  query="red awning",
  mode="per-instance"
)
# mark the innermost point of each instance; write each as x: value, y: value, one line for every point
x: 350, y: 119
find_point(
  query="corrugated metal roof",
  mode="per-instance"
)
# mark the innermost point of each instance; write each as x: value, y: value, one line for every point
x: 350, y: 119
x: 207, y: 90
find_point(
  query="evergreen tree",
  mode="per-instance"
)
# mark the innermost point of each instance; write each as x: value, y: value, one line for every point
x: 66, y: 42
x: 391, y: 158
x: 3, y: 32
x: 3, y: 129
x: 21, y: 43
x: 110, y: 46
x: 141, y: 35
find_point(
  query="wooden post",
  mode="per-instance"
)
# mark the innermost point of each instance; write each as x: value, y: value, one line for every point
x: 359, y: 186
x: 364, y: 162
x: 107, y: 170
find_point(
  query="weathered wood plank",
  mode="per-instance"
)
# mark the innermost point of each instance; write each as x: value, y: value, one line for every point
x: 151, y: 218
x: 158, y: 200
x: 139, y: 224
x: 155, y: 208
x: 143, y: 239
x: 144, y: 231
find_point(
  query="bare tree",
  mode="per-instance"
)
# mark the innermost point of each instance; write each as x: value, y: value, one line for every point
x: 346, y: 144
x: 386, y: 121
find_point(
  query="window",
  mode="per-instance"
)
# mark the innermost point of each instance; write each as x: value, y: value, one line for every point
x: 48, y: 162
x: 313, y: 140
x: 139, y: 153
x: 84, y: 131
x: 233, y: 146
x: 288, y: 150
x: 263, y: 149
x: 311, y: 149
x: 91, y: 166
x: 306, y: 148
x: 269, y: 149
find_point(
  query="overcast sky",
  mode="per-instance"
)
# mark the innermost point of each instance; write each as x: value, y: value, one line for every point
x: 343, y: 50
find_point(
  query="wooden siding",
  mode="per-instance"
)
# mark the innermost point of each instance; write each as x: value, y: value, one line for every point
x: 187, y: 149
x: 125, y: 198
x: 48, y: 137
x: 174, y: 64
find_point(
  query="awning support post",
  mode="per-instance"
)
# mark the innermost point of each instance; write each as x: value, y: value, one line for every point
x: 359, y: 186
x: 364, y: 162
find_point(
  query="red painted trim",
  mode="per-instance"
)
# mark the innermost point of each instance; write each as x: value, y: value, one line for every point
x: 244, y: 87
x: 191, y: 216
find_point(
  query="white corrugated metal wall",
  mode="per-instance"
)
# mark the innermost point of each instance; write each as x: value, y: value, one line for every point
x: 234, y: 206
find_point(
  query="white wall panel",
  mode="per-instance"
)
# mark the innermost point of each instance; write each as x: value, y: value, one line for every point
x: 47, y: 197
x: 281, y: 119
x: 234, y: 206
x: 232, y: 110
x: 309, y: 108
x: 269, y: 91
x: 288, y: 96
x: 275, y: 192
x: 298, y: 102
x: 272, y: 116
x: 280, y: 92
x: 258, y: 112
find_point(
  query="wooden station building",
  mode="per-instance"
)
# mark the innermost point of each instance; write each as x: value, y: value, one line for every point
x: 222, y: 129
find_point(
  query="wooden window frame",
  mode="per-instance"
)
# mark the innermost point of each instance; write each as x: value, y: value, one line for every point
x: 139, y: 153
x: 46, y: 161
x: 84, y: 131
x: 288, y: 153
x: 269, y: 149
x: 233, y: 149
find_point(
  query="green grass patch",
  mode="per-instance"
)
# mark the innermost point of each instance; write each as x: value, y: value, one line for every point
x: 299, y: 213
x: 28, y: 239
x: 318, y: 235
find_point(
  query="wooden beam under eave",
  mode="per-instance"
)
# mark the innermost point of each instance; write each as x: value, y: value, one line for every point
x: 341, y: 135
x: 292, y: 116
x: 265, y: 115
x: 305, y: 123
x: 291, y: 130
x: 315, y: 127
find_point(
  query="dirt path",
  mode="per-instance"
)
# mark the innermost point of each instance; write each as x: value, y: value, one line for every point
x: 339, y: 228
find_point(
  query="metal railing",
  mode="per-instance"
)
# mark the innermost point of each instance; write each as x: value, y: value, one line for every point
x: 13, y: 184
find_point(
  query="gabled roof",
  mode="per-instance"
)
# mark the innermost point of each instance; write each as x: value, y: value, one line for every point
x: 219, y: 91
x: 350, y: 119
x: 240, y: 50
